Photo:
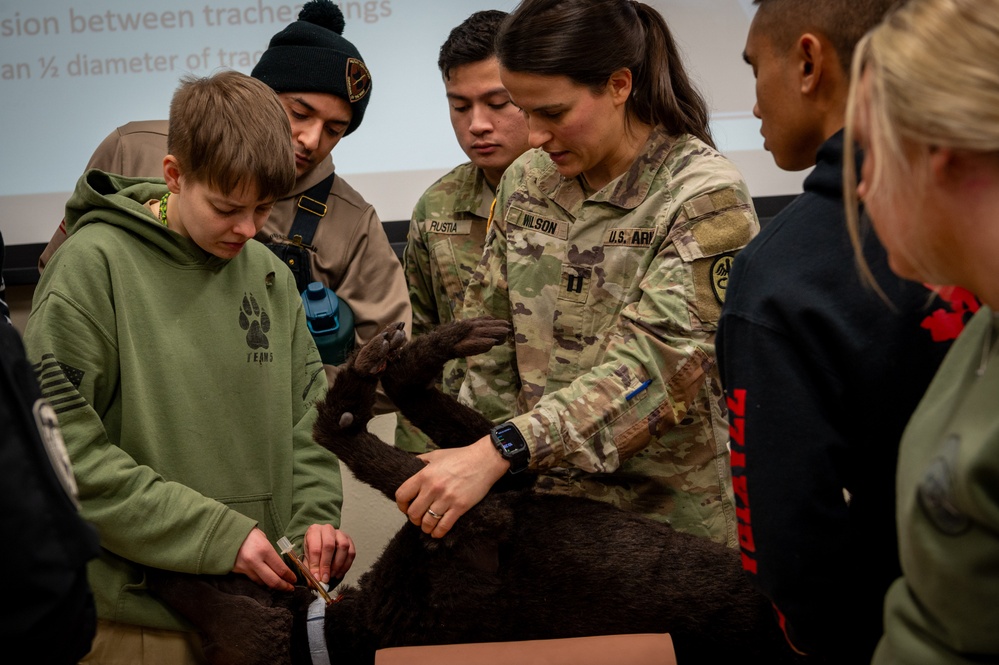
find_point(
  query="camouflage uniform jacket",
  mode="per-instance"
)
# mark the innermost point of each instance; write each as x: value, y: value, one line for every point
x: 446, y: 234
x: 611, y: 375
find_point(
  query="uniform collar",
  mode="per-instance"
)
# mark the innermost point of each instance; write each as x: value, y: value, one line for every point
x: 627, y: 191
x: 474, y: 196
x: 313, y: 177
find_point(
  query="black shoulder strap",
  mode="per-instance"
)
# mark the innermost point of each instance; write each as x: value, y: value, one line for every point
x: 311, y: 208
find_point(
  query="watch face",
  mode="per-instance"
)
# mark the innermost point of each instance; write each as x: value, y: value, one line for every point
x: 510, y: 439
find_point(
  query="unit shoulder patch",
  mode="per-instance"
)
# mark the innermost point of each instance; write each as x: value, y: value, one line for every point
x: 721, y: 268
x: 936, y: 492
x: 55, y: 447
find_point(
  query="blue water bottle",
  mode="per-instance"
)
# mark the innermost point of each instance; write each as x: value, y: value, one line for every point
x: 331, y: 323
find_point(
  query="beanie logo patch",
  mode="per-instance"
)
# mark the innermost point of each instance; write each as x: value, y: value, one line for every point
x: 358, y: 80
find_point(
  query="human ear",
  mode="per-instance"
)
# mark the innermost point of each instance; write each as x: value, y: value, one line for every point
x: 947, y: 166
x: 619, y: 85
x: 810, y: 55
x: 172, y: 173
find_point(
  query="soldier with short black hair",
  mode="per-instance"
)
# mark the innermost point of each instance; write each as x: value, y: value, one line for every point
x: 448, y: 226
x: 803, y: 343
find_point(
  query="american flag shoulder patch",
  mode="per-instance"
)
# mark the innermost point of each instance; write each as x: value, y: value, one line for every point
x: 60, y: 383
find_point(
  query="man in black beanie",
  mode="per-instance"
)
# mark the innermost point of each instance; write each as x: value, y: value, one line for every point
x: 324, y: 85
x: 311, y: 56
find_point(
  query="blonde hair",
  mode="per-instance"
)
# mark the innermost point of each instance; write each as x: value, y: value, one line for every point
x: 230, y: 131
x: 932, y: 81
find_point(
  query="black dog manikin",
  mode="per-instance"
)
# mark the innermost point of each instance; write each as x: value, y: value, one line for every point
x: 520, y: 565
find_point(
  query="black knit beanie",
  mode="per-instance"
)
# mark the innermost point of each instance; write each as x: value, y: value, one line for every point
x: 311, y: 55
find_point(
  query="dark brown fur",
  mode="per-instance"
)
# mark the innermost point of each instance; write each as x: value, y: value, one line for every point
x: 520, y: 565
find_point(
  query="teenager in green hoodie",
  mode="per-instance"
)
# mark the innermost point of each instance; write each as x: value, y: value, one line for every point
x: 175, y: 350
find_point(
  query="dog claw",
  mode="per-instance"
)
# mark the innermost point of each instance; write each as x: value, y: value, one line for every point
x: 373, y: 357
x: 480, y: 335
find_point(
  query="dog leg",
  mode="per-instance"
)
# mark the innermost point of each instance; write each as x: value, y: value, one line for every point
x: 222, y: 616
x: 343, y: 415
x: 372, y: 358
x: 350, y: 399
x: 410, y: 379
x: 421, y: 363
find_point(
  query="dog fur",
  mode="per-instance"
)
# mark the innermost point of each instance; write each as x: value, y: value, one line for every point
x: 520, y: 565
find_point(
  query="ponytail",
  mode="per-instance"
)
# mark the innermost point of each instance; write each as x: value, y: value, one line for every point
x: 662, y: 91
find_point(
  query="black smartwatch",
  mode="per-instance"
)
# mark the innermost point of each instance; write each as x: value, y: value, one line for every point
x: 511, y: 446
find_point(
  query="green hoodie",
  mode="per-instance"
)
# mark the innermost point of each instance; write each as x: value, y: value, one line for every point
x: 185, y: 387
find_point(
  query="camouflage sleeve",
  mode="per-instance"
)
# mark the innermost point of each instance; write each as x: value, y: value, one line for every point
x: 490, y: 383
x: 416, y: 265
x: 661, y: 351
x: 644, y: 388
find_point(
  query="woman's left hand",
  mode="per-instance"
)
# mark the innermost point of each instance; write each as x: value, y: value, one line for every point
x: 454, y: 480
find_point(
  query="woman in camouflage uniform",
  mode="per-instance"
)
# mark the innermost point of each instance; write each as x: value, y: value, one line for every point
x: 609, y: 251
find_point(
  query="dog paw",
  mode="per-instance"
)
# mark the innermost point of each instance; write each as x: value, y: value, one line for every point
x: 474, y: 336
x: 346, y: 419
x: 376, y: 354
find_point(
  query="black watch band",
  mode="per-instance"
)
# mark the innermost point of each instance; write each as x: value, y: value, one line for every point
x: 511, y: 446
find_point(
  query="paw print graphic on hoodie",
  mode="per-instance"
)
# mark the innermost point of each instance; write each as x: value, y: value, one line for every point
x: 254, y: 320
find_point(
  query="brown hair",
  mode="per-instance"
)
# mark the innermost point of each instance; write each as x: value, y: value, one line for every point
x: 588, y: 40
x: 229, y: 131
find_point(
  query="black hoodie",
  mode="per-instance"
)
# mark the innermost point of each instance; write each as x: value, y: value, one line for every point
x: 821, y: 377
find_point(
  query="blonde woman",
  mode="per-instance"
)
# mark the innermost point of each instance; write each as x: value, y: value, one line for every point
x: 925, y: 110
